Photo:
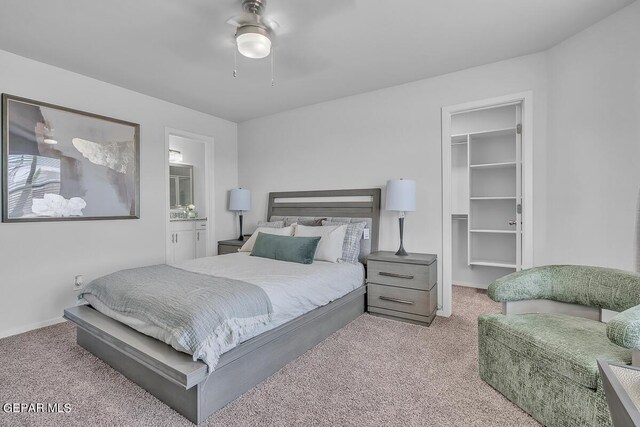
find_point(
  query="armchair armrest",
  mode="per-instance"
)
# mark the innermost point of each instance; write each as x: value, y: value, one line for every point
x: 530, y: 284
x: 624, y: 330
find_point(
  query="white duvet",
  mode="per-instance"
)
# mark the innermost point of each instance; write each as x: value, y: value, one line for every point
x: 294, y: 289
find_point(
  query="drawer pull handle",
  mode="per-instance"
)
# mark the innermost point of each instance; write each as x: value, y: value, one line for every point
x: 399, y: 276
x: 401, y: 301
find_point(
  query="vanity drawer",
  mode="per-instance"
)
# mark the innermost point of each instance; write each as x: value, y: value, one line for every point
x: 404, y: 300
x: 182, y: 225
x: 412, y: 276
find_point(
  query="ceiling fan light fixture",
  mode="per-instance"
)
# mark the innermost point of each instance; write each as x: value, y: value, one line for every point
x: 253, y: 42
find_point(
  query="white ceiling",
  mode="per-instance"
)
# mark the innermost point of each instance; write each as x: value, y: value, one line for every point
x: 182, y: 51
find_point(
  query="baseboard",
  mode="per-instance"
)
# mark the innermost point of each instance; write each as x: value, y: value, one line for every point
x: 470, y: 285
x: 27, y: 328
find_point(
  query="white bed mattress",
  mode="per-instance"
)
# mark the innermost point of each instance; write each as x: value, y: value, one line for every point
x: 294, y: 289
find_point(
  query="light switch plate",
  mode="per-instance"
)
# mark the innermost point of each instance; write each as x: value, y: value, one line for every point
x: 365, y: 235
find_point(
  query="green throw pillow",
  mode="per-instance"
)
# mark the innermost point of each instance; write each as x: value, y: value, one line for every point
x: 286, y: 248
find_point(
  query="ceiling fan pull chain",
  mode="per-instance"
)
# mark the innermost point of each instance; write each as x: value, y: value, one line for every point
x: 273, y: 54
x: 235, y: 62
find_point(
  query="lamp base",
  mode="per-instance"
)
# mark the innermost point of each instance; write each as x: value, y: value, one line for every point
x: 401, y: 251
x: 241, y: 238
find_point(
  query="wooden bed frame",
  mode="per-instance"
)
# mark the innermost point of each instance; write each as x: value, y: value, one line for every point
x: 185, y: 385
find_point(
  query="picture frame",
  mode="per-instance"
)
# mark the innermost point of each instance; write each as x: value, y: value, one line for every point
x: 62, y: 164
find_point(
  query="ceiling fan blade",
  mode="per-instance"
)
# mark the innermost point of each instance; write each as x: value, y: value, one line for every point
x: 235, y: 21
x: 244, y: 19
x: 271, y: 23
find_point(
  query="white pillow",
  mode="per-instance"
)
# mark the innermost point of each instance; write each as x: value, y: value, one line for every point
x: 248, y: 246
x: 331, y: 239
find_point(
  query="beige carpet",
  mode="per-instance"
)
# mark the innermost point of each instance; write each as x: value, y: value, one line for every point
x: 373, y: 372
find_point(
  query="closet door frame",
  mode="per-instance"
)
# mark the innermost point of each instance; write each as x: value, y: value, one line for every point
x: 526, y: 99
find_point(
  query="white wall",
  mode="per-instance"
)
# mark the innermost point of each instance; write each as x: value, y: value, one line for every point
x: 38, y: 261
x: 361, y: 141
x: 593, y: 153
x: 586, y: 158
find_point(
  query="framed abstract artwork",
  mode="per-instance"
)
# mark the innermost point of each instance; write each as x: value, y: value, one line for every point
x: 60, y: 164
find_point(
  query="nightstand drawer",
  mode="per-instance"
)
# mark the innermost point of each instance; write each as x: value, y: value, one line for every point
x: 400, y: 299
x: 412, y: 276
x: 227, y: 249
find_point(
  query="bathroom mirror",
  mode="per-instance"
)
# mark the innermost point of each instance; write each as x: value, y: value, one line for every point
x: 180, y: 185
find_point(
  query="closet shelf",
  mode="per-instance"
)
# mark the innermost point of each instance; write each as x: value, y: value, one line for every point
x: 489, y: 263
x: 493, y: 231
x: 494, y: 198
x: 459, y: 139
x: 494, y: 165
x: 495, y: 132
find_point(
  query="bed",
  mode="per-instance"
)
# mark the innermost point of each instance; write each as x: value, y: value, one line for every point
x: 188, y: 386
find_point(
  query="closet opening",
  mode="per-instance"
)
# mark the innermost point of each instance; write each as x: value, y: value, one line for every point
x: 487, y: 198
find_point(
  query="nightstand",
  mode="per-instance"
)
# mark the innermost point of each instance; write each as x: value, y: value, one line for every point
x: 230, y: 246
x: 403, y: 287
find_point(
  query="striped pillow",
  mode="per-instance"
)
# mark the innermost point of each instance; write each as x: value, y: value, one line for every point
x: 351, y: 243
x: 271, y: 224
x: 309, y: 222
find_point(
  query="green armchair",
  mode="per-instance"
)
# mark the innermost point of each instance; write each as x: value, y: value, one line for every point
x: 541, y: 352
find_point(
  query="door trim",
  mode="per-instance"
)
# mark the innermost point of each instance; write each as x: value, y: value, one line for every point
x: 526, y: 98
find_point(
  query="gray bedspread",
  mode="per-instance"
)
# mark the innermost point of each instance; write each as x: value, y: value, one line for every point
x: 205, y: 315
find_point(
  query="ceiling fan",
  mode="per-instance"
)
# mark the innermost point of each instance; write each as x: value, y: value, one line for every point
x: 254, y: 32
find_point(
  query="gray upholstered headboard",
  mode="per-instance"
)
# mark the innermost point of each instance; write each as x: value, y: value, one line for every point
x: 335, y: 205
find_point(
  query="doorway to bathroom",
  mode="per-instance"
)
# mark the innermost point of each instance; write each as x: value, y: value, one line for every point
x: 189, y: 196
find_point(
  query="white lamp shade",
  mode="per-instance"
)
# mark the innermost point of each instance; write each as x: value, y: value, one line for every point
x: 239, y: 199
x: 401, y: 195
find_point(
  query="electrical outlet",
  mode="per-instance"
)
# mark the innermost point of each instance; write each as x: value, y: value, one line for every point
x: 78, y: 283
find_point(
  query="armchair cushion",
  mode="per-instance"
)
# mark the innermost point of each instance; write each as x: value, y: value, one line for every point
x: 624, y: 329
x: 600, y: 287
x: 566, y: 345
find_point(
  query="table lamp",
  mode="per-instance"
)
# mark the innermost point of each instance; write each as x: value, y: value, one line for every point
x: 401, y: 197
x: 240, y: 201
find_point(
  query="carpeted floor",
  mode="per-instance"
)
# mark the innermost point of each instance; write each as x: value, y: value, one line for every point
x: 373, y: 372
